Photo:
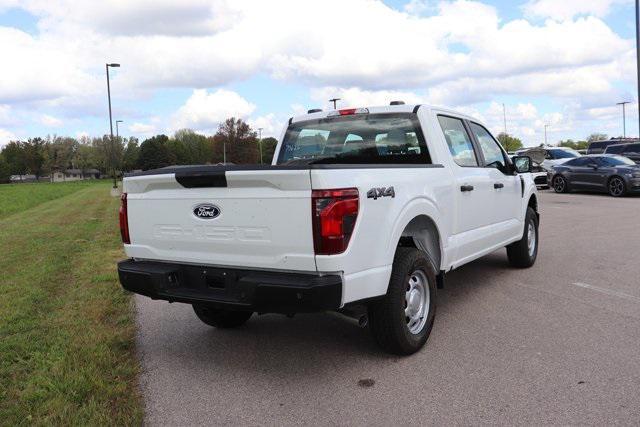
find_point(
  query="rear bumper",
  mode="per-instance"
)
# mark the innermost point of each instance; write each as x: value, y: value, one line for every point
x: 232, y: 288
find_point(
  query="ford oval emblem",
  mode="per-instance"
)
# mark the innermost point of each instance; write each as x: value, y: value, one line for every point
x: 206, y: 211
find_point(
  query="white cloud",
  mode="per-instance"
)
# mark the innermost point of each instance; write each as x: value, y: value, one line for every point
x: 270, y: 124
x: 6, y: 137
x: 204, y: 110
x: 143, y: 128
x: 50, y: 121
x: 567, y: 9
x: 356, y: 97
x: 202, y: 43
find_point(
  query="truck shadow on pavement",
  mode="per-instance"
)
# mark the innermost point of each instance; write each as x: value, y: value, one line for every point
x: 309, y: 344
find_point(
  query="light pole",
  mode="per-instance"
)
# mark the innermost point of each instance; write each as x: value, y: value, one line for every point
x: 334, y: 100
x: 117, y: 131
x: 638, y: 56
x: 624, y: 118
x: 545, y: 134
x: 114, y: 65
x: 260, y: 142
x: 504, y: 114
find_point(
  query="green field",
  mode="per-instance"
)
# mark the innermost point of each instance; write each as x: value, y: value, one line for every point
x: 20, y: 197
x: 66, y: 327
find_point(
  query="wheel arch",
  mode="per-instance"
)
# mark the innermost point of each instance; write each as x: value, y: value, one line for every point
x: 422, y: 233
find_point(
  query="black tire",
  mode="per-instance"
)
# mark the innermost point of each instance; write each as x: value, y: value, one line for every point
x: 519, y: 253
x: 387, y: 318
x: 221, y: 318
x: 616, y: 186
x: 560, y: 184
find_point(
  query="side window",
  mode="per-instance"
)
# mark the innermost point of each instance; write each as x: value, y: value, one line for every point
x: 458, y: 140
x: 580, y: 161
x: 632, y: 149
x: 493, y: 155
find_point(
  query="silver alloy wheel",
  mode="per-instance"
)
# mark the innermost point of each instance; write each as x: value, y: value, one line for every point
x: 616, y: 187
x: 531, y: 238
x: 417, y: 301
x: 558, y: 184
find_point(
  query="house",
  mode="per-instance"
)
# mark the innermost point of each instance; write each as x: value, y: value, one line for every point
x: 75, y: 175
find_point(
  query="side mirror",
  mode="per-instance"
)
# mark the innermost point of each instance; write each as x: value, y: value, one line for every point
x: 522, y: 164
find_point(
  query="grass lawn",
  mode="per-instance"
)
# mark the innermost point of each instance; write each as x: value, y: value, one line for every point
x: 19, y: 197
x: 66, y: 326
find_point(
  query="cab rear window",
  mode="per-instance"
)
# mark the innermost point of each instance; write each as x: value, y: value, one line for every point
x: 356, y: 139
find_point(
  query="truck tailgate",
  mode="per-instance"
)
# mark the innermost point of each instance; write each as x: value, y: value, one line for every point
x: 263, y: 218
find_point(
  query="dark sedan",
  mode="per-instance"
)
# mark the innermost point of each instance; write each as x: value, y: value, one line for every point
x: 612, y: 174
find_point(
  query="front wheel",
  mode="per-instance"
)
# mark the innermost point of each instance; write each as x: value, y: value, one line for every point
x: 401, y: 321
x: 523, y: 253
x: 560, y: 184
x: 221, y: 318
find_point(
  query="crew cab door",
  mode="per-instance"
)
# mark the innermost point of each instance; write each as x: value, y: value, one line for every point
x: 505, y: 197
x: 472, y: 189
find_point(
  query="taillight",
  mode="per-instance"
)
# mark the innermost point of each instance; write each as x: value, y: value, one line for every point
x: 334, y: 215
x: 124, y: 220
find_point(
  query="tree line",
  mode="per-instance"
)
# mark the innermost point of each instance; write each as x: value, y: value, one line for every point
x: 234, y: 141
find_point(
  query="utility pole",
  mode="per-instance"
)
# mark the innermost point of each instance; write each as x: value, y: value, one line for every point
x: 334, y: 100
x: 114, y: 65
x: 260, y: 142
x: 504, y: 114
x: 624, y: 118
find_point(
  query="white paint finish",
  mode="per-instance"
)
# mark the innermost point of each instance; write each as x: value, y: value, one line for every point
x: 266, y: 214
x: 265, y: 221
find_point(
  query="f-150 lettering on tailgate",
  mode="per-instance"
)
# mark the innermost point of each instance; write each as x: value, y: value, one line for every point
x: 214, y: 233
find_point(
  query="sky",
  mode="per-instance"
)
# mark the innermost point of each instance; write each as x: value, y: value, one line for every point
x: 193, y: 63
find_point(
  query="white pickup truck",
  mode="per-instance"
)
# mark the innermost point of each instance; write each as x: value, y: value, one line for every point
x: 366, y: 207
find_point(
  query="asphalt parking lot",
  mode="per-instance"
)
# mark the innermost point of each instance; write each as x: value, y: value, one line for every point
x: 555, y: 344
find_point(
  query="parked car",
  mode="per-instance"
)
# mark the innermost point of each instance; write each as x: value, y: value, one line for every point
x: 609, y: 173
x: 544, y: 158
x: 599, y: 147
x: 366, y: 207
x: 631, y: 151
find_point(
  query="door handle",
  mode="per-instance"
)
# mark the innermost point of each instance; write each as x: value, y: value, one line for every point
x: 466, y: 188
x: 498, y: 185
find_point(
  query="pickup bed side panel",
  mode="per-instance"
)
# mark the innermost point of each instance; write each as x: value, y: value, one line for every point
x: 264, y: 220
x: 367, y: 261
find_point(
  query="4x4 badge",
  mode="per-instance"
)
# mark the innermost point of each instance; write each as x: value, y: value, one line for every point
x: 375, y: 193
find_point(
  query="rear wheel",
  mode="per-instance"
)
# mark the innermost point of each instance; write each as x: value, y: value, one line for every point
x: 560, y: 184
x: 523, y: 253
x: 401, y: 321
x: 221, y: 318
x: 616, y: 187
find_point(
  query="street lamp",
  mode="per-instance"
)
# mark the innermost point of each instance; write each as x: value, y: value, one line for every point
x: 334, y: 100
x: 114, y: 65
x: 638, y: 56
x: 545, y: 134
x: 504, y: 116
x: 260, y: 142
x: 117, y: 131
x: 624, y: 118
